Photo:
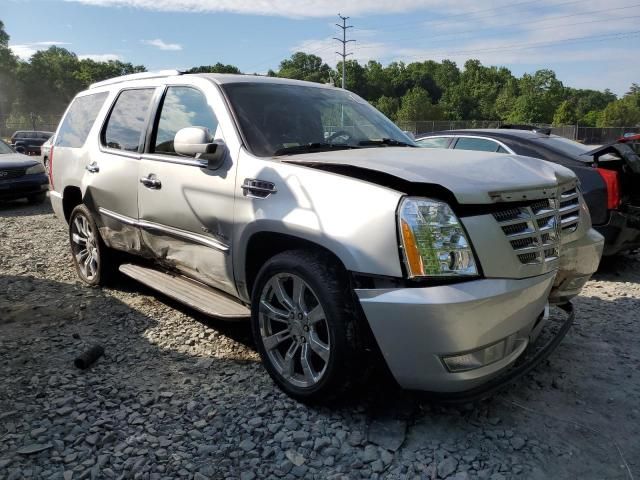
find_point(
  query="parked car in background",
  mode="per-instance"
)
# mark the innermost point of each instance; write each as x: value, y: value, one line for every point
x: 21, y: 176
x: 45, y: 152
x: 632, y: 139
x: 229, y: 196
x: 29, y: 141
x: 609, y: 175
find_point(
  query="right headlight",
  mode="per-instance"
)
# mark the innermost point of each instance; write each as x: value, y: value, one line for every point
x: 434, y: 243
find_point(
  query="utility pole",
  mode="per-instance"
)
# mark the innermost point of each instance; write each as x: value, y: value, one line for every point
x: 344, y: 42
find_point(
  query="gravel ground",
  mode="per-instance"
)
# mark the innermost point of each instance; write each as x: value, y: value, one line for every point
x: 178, y: 395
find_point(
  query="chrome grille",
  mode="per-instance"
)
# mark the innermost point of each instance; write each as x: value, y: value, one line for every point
x: 532, y: 230
x: 9, y: 173
x: 569, y: 210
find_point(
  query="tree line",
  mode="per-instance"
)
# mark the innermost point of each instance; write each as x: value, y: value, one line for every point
x: 428, y: 90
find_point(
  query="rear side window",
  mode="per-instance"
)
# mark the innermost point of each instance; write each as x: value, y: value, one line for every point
x: 477, y: 144
x: 79, y: 119
x: 434, y: 142
x: 127, y: 121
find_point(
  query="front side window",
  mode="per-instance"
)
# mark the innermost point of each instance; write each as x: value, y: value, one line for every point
x: 476, y: 144
x: 434, y: 142
x: 79, y: 119
x: 275, y: 118
x: 182, y: 107
x: 127, y: 121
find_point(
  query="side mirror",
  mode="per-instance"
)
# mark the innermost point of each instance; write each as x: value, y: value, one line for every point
x: 199, y: 143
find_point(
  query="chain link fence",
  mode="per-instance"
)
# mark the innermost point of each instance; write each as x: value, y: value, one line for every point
x: 587, y: 135
x: 13, y: 123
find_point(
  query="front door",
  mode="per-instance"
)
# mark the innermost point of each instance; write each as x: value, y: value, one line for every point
x: 186, y: 210
x: 111, y: 175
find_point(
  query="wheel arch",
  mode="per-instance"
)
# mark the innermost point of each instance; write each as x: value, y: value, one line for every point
x: 71, y: 198
x: 262, y: 246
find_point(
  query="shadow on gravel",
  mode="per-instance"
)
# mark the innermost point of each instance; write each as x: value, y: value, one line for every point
x: 162, y: 389
x: 619, y: 268
x: 22, y: 208
x: 239, y: 331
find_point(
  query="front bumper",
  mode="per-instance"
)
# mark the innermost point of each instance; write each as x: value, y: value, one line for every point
x: 416, y: 327
x: 578, y: 261
x: 25, y: 186
x: 622, y: 232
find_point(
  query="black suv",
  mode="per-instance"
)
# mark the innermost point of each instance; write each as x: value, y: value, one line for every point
x: 29, y: 141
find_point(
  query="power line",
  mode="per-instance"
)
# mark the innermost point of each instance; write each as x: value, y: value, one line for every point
x: 344, y: 42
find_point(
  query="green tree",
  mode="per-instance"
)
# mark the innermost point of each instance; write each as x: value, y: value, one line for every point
x: 633, y: 89
x: 565, y: 114
x: 388, y: 105
x: 217, y: 68
x: 48, y: 81
x: 622, y: 113
x: 8, y: 66
x: 416, y: 105
x: 302, y: 66
x: 90, y: 71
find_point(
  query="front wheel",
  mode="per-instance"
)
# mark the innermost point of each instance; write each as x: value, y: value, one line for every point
x: 90, y: 255
x: 305, y: 325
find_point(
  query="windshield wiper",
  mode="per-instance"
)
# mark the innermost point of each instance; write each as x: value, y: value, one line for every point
x: 387, y: 142
x: 312, y: 147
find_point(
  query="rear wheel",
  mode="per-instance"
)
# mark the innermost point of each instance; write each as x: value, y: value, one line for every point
x: 305, y: 325
x: 91, y: 256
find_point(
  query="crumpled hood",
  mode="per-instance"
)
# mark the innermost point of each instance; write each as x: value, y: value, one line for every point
x: 16, y: 160
x: 472, y: 177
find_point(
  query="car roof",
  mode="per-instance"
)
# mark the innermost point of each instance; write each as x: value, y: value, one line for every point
x: 218, y: 78
x: 491, y: 132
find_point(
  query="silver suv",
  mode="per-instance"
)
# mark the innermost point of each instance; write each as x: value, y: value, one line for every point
x: 304, y: 208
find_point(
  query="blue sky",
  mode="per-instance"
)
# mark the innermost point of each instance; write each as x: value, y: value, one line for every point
x: 589, y: 43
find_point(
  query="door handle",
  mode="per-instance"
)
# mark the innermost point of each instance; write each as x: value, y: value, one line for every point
x: 151, y: 181
x: 256, y: 188
x: 92, y: 167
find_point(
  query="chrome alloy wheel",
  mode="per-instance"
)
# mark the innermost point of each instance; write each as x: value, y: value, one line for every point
x: 294, y: 330
x: 84, y: 246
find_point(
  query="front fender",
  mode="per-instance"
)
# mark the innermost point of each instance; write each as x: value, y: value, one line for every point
x: 353, y: 219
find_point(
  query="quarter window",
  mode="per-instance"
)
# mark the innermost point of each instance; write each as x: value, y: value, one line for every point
x: 182, y: 107
x: 79, y: 119
x: 477, y: 144
x: 127, y: 120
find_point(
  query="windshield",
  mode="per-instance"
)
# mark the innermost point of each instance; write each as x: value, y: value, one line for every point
x: 279, y: 118
x: 4, y: 148
x: 566, y: 146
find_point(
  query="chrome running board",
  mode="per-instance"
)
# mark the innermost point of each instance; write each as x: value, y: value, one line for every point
x: 193, y: 294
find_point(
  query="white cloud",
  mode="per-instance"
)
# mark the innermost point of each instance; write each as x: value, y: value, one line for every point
x: 286, y: 8
x: 26, y: 50
x: 158, y: 43
x: 100, y: 57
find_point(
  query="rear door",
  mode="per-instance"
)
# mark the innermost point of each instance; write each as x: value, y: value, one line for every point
x: 186, y: 210
x: 111, y: 177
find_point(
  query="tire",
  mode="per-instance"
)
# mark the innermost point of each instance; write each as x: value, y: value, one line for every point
x: 37, y: 199
x: 287, y: 332
x: 94, y: 265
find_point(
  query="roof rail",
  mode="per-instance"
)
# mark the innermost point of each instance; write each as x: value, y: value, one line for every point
x: 532, y: 128
x: 136, y: 76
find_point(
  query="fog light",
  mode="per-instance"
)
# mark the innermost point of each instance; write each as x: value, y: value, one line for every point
x: 481, y: 357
